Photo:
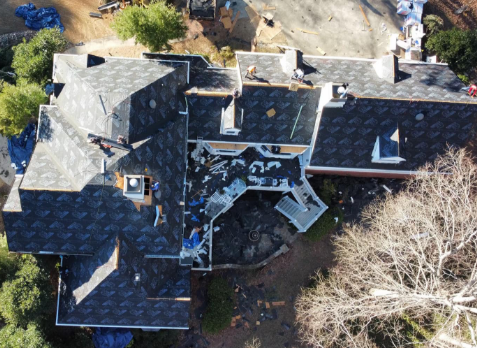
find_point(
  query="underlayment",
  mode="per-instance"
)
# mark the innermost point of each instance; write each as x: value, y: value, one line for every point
x: 253, y: 211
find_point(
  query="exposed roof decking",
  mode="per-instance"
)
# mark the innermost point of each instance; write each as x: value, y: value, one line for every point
x: 346, y: 136
x: 418, y: 80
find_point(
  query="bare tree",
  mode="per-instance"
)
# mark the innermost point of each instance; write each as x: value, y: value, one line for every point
x: 407, y: 272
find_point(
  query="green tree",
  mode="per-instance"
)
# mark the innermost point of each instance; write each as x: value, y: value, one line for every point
x: 456, y: 47
x: 18, y: 104
x: 8, y: 262
x: 152, y: 27
x: 220, y: 306
x: 33, y: 61
x: 12, y: 336
x: 433, y: 24
x: 26, y: 297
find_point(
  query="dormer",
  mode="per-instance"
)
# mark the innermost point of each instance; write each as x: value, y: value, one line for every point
x: 387, y: 148
x: 232, y: 118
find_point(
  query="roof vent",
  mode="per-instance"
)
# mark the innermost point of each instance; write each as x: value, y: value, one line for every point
x: 387, y: 149
x: 387, y: 68
x: 419, y: 116
x: 152, y: 103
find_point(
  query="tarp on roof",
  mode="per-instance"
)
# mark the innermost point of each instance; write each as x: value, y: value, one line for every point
x: 45, y: 17
x: 20, y: 148
x: 111, y: 338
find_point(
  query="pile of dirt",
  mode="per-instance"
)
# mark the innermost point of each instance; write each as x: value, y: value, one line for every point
x: 446, y: 9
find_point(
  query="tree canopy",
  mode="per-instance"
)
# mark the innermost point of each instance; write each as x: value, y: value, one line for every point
x: 25, y: 297
x: 12, y: 336
x: 407, y: 273
x: 152, y: 27
x: 456, y: 47
x: 33, y: 60
x: 18, y: 104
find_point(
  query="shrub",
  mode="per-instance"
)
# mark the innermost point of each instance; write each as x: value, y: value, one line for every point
x: 26, y: 297
x: 464, y: 78
x: 152, y: 27
x: 220, y: 306
x: 456, y: 47
x: 18, y: 104
x: 12, y: 336
x: 327, y: 192
x: 33, y: 61
x: 324, y: 224
x: 6, y: 57
x: 8, y: 264
x: 433, y: 23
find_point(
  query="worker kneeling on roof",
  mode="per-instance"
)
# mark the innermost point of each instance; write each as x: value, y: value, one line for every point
x: 299, y: 75
x: 251, y: 70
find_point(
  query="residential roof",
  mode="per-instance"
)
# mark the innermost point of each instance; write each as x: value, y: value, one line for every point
x: 293, y: 122
x: 417, y: 80
x: 215, y: 80
x: 102, y: 290
x: 346, y: 136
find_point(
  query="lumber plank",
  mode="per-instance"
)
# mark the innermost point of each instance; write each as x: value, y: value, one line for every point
x: 235, y: 21
x: 308, y: 31
x: 364, y: 15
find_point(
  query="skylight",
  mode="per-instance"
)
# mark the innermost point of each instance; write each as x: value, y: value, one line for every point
x: 387, y: 149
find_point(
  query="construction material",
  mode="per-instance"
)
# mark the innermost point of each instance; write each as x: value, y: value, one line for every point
x: 293, y: 86
x: 201, y: 9
x: 271, y: 112
x: 307, y: 31
x: 95, y: 15
x: 224, y: 12
x: 235, y: 21
x: 266, y: 7
x: 329, y: 18
x: 321, y: 51
x: 44, y: 17
x: 252, y: 13
x: 296, y: 121
x: 108, y: 6
x: 364, y: 15
x: 227, y: 22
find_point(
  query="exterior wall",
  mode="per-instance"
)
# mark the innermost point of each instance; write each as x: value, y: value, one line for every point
x: 358, y: 174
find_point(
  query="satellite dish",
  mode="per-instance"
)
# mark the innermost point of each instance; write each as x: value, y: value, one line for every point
x: 419, y: 116
x: 133, y: 182
x: 152, y: 103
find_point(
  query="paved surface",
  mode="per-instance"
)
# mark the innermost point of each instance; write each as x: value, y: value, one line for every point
x: 343, y: 35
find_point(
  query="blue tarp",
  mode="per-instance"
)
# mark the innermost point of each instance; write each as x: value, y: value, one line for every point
x: 111, y: 338
x: 45, y: 17
x: 20, y: 147
x: 190, y: 244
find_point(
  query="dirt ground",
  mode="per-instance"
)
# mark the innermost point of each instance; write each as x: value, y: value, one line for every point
x: 446, y: 10
x: 79, y: 26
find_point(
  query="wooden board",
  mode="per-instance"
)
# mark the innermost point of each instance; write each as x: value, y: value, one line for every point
x: 223, y: 12
x: 271, y: 112
x: 227, y: 22
x: 321, y: 51
x: 308, y: 31
x: 235, y: 21
x: 266, y: 7
x: 271, y: 32
x: 120, y: 181
x: 278, y: 303
x: 293, y: 87
x: 364, y: 15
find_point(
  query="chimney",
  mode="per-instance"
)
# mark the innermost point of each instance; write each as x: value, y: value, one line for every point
x: 134, y: 187
x: 387, y: 68
x: 291, y: 60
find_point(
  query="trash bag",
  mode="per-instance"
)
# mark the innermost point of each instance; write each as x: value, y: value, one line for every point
x: 45, y: 17
x: 20, y: 148
x: 111, y: 338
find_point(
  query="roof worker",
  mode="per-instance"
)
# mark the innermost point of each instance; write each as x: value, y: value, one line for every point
x: 472, y: 91
x: 343, y: 90
x: 299, y: 75
x: 236, y: 93
x: 251, y: 70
